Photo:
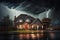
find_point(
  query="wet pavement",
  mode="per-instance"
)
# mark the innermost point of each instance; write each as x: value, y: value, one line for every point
x: 50, y: 36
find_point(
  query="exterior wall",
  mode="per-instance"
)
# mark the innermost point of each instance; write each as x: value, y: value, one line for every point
x: 27, y: 26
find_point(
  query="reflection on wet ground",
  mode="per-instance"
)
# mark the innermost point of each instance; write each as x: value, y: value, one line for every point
x: 50, y: 36
x: 20, y: 37
x: 29, y: 36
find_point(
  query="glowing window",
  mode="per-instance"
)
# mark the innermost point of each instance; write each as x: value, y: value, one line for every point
x: 27, y: 20
x: 20, y: 20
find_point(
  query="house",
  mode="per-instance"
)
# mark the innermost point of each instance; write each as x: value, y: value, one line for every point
x: 23, y: 21
x: 37, y: 24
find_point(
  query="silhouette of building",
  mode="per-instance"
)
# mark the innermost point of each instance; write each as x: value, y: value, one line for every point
x: 22, y: 20
x: 46, y: 22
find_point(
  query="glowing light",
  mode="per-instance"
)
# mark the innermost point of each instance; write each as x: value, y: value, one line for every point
x: 44, y: 14
x: 20, y: 20
x: 21, y: 36
x: 38, y: 35
x: 42, y: 27
x: 47, y: 14
x: 32, y: 26
x: 27, y: 20
x: 20, y: 27
x: 37, y: 27
x: 27, y: 36
x: 33, y: 36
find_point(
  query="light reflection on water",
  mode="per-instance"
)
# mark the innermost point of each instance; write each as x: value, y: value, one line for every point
x: 29, y: 36
x: 54, y: 35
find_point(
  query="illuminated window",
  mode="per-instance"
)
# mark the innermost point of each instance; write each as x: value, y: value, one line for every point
x: 19, y: 27
x: 32, y: 26
x: 27, y: 20
x: 37, y: 26
x: 26, y: 26
x: 20, y: 20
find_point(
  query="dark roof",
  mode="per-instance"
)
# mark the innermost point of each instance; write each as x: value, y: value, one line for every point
x: 36, y: 21
x: 30, y: 18
x: 24, y: 17
x: 46, y: 19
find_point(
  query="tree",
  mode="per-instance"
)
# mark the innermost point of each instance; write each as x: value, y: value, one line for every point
x: 6, y: 23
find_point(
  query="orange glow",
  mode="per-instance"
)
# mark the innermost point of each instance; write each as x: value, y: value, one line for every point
x: 26, y: 26
x: 33, y: 36
x: 20, y: 27
x: 38, y: 35
x: 27, y: 36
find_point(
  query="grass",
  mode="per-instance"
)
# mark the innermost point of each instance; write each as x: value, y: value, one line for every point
x: 27, y: 31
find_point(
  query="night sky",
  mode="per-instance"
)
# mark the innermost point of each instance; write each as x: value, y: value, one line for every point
x: 36, y: 8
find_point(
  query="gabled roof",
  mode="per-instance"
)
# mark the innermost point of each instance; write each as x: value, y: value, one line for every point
x: 24, y: 17
x: 36, y: 21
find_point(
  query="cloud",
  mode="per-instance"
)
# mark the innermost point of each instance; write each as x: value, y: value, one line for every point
x: 14, y: 12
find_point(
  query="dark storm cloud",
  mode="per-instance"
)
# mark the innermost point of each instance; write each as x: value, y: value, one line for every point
x: 56, y: 17
x: 27, y: 6
x: 48, y: 3
x: 36, y: 7
x: 2, y: 10
x: 5, y: 10
x: 31, y: 8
